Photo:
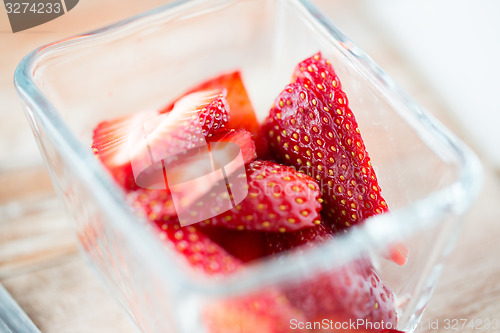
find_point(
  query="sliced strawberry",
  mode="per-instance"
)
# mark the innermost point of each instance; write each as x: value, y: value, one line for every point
x: 110, y: 140
x: 241, y: 138
x: 200, y: 251
x: 208, y: 173
x: 279, y: 199
x: 278, y: 242
x: 159, y: 204
x: 130, y: 145
x: 245, y: 245
x: 312, y: 128
x: 353, y: 292
x: 265, y: 312
x: 350, y: 293
x: 242, y: 114
x: 156, y: 205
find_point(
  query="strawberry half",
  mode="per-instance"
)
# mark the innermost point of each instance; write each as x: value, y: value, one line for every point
x: 352, y: 292
x: 279, y: 199
x: 130, y: 145
x: 242, y: 113
x: 264, y: 312
x: 200, y: 251
x: 242, y: 138
x: 278, y: 242
x: 312, y: 128
x: 245, y: 245
x: 155, y: 205
x: 159, y: 205
x: 109, y: 145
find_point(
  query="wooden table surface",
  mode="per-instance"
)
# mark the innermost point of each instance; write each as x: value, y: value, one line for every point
x: 39, y: 262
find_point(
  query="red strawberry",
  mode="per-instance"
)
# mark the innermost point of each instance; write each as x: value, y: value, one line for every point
x: 109, y: 144
x: 241, y: 138
x: 353, y: 292
x: 245, y: 245
x: 312, y: 127
x: 279, y: 199
x: 130, y: 145
x: 200, y: 251
x: 350, y: 293
x: 279, y: 242
x: 265, y: 312
x: 242, y: 114
x: 158, y: 204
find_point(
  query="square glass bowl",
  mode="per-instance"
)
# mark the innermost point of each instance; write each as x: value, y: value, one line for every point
x: 428, y: 177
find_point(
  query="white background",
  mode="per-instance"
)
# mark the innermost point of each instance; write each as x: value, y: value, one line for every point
x: 455, y: 44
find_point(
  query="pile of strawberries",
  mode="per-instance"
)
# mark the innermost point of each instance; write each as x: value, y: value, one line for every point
x: 308, y: 178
